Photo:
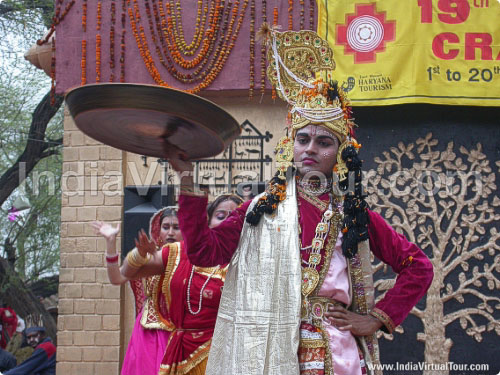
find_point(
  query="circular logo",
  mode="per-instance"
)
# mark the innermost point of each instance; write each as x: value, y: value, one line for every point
x: 365, y: 33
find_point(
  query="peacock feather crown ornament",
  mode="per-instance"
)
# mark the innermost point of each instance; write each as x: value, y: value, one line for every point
x: 297, y: 59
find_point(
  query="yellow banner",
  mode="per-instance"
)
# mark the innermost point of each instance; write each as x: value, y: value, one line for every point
x: 415, y: 51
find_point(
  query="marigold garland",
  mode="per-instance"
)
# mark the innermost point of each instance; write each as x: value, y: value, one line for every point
x: 220, y: 55
x: 302, y: 14
x: 263, y: 59
x: 112, y: 42
x: 53, y: 73
x: 252, y: 50
x: 99, y: 15
x: 312, y: 4
x: 84, y: 15
x: 290, y: 14
x: 275, y: 23
x: 98, y: 58
x: 84, y: 62
x: 122, y: 41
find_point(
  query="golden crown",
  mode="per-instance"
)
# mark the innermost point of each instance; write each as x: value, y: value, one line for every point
x: 296, y: 58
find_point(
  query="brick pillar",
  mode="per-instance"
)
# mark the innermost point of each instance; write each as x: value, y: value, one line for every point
x: 89, y: 306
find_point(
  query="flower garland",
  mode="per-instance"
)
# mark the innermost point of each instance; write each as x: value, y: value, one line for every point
x: 312, y: 4
x: 98, y: 44
x: 213, y: 32
x: 84, y: 15
x: 83, y: 63
x: 56, y: 20
x: 220, y: 56
x: 290, y: 14
x: 122, y: 41
x: 98, y: 58
x: 302, y: 14
x: 178, y: 31
x: 275, y: 24
x: 263, y: 53
x: 112, y: 42
x: 252, y: 50
x: 53, y: 73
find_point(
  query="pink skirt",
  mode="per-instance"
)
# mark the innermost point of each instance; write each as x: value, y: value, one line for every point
x: 145, y: 350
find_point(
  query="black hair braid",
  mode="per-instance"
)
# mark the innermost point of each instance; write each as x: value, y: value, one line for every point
x: 356, y: 219
x: 267, y: 203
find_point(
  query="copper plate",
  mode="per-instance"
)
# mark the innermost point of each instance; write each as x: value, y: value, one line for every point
x: 139, y: 118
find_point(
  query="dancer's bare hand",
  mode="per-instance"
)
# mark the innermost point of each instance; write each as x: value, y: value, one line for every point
x: 106, y: 230
x: 359, y: 325
x: 144, y: 244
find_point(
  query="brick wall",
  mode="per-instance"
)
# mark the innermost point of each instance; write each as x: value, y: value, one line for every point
x: 89, y: 320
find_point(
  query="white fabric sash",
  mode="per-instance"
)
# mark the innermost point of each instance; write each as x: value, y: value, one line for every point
x: 257, y: 329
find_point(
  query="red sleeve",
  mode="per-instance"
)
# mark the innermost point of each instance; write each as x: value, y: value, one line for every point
x: 414, y: 271
x: 208, y: 247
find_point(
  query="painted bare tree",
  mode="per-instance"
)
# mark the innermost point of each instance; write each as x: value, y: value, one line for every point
x: 447, y: 205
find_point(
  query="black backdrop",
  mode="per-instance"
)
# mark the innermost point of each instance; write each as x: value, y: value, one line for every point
x: 381, y: 128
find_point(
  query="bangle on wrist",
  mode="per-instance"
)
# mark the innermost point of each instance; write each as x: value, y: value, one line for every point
x: 112, y: 259
x: 135, y: 260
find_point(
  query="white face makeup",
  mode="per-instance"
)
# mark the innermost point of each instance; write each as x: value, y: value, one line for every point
x: 315, y: 150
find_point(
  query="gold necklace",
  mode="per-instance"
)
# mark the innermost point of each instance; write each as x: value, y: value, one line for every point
x: 310, y: 275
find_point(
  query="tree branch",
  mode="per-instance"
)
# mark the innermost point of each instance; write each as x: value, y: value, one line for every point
x: 34, y: 150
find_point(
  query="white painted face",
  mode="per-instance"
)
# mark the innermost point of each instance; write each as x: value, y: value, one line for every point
x: 315, y: 150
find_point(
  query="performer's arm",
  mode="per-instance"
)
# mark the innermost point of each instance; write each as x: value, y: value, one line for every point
x: 205, y: 247
x: 414, y: 271
x: 208, y: 247
x: 120, y: 275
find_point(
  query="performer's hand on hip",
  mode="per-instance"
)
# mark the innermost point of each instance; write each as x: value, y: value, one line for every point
x: 359, y: 325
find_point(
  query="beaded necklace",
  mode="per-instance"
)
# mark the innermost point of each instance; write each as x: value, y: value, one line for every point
x: 201, y: 291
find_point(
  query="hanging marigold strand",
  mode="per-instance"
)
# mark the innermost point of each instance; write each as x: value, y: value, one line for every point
x: 112, y: 42
x: 84, y: 62
x: 275, y: 23
x: 122, y: 41
x: 302, y: 14
x: 263, y: 53
x: 98, y: 58
x: 84, y: 15
x: 312, y: 5
x: 290, y: 14
x: 56, y: 20
x: 99, y: 15
x: 53, y: 73
x: 252, y: 49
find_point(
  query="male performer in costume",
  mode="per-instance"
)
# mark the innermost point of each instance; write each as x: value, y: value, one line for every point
x: 298, y: 296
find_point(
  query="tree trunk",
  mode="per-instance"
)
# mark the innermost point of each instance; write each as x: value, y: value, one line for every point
x: 16, y: 295
x: 36, y: 148
x: 437, y: 346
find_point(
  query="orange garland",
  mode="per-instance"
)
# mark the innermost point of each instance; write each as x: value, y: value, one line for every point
x: 275, y: 23
x: 221, y: 57
x: 290, y: 14
x: 84, y: 15
x: 98, y: 58
x: 53, y: 73
x: 84, y: 62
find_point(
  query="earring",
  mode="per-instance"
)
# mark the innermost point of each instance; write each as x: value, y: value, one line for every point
x: 284, y: 156
x: 341, y: 168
